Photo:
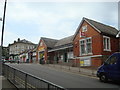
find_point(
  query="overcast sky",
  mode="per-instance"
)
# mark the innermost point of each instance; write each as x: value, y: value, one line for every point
x: 35, y: 19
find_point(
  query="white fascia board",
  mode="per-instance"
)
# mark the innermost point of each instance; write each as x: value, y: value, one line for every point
x: 88, y: 56
x: 93, y: 26
x: 118, y: 35
x: 59, y: 49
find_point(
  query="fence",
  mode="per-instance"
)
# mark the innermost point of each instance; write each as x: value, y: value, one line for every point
x: 27, y: 81
x: 75, y: 67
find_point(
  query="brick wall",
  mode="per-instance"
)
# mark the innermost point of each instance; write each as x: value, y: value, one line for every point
x: 97, y: 44
x: 39, y: 48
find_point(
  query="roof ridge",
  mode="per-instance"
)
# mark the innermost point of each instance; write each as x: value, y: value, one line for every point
x: 99, y: 22
x: 66, y: 37
x: 48, y: 38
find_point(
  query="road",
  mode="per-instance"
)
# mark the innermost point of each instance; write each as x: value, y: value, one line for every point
x: 64, y: 79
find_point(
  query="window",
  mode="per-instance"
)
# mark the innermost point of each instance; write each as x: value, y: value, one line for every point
x: 89, y: 45
x: 84, y: 28
x: 41, y: 44
x: 86, y: 46
x: 82, y: 32
x: 106, y: 43
x: 82, y: 46
x: 70, y: 55
x: 112, y: 60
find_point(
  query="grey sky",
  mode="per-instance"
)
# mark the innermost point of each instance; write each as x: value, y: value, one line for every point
x: 32, y: 20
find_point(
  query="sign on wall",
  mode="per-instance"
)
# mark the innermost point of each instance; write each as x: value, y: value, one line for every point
x: 41, y: 49
x: 85, y: 62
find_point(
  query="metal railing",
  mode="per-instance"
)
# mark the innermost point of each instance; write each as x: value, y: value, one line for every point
x: 75, y: 67
x: 27, y: 81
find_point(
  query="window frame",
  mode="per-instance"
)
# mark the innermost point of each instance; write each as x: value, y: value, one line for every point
x: 106, y: 44
x: 84, y: 28
x: 85, y: 44
x: 89, y: 43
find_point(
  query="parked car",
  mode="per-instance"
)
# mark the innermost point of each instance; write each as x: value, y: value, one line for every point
x: 110, y: 70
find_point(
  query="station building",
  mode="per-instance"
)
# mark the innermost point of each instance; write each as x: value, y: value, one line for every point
x: 94, y: 42
x: 90, y: 45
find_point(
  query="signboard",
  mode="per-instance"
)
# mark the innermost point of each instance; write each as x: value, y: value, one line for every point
x: 41, y: 49
x: 82, y: 34
x: 85, y: 62
x: 81, y: 62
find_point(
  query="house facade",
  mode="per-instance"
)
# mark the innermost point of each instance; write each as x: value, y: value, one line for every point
x: 32, y: 55
x: 23, y: 57
x: 19, y: 46
x: 94, y: 42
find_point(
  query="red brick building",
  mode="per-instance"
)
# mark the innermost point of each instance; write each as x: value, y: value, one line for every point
x: 94, y: 42
x: 44, y: 45
x: 91, y: 44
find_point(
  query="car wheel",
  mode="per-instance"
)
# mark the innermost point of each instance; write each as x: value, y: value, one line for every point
x: 103, y: 78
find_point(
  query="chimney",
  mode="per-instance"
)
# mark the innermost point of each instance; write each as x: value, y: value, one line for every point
x: 14, y: 41
x: 18, y: 39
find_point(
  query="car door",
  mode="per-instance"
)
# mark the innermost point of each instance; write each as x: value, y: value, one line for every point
x: 112, y: 67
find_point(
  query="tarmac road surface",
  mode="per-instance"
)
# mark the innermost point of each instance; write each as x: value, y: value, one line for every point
x: 64, y: 79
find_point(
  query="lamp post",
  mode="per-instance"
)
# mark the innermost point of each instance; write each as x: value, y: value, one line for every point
x: 3, y: 23
x: 0, y: 19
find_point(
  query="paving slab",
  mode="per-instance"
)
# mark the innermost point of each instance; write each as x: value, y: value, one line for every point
x: 5, y: 84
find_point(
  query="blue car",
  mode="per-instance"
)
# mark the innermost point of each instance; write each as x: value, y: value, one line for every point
x: 110, y: 70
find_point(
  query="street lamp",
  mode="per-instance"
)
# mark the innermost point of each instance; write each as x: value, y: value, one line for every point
x: 3, y: 24
x: 2, y: 36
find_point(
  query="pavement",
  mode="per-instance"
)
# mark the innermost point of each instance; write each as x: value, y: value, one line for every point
x: 5, y: 84
x: 77, y: 70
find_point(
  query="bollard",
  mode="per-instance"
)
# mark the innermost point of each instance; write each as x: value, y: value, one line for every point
x: 79, y: 68
x: 26, y: 81
x: 7, y: 72
x: 48, y: 86
x: 69, y: 66
x: 14, y: 75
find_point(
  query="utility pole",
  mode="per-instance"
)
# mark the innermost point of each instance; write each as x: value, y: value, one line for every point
x: 3, y: 24
x: 119, y: 23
